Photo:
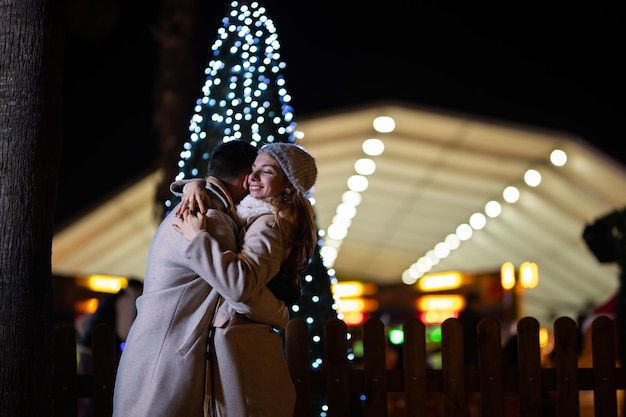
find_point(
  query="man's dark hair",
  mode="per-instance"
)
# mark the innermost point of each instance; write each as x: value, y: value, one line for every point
x: 231, y: 159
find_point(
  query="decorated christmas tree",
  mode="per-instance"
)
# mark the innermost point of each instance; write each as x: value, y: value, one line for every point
x: 245, y: 97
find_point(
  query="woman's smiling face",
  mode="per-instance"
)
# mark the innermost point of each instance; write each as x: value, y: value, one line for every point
x: 267, y: 179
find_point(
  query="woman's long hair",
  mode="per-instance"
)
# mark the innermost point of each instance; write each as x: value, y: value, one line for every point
x: 303, y: 238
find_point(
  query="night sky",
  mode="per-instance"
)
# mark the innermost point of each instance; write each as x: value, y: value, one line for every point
x: 557, y: 68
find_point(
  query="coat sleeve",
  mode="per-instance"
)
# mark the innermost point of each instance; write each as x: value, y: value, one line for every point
x: 238, y: 276
x: 263, y: 307
x: 260, y: 304
x: 177, y: 187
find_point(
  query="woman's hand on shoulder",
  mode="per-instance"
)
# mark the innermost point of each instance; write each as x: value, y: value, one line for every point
x: 195, y: 198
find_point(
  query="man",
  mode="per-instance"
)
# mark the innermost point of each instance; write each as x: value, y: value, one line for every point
x: 162, y: 371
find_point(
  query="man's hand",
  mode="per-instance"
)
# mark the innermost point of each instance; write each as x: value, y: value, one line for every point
x: 195, y: 198
x: 191, y: 224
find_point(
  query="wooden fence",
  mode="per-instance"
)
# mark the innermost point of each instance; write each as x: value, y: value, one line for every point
x: 447, y: 392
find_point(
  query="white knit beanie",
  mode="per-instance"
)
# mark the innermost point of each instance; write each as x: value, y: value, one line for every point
x: 297, y: 164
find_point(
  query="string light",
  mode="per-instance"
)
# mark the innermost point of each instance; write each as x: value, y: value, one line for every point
x: 477, y: 221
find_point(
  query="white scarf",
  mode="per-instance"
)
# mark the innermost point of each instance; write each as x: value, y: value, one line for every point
x: 252, y: 207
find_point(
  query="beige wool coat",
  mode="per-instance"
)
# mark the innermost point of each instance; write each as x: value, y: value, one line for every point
x: 162, y: 369
x: 249, y: 375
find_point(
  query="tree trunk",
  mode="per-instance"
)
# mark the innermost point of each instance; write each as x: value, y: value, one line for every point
x: 30, y: 140
x: 178, y: 83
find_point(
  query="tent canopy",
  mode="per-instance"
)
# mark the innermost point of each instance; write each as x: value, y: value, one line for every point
x: 436, y: 171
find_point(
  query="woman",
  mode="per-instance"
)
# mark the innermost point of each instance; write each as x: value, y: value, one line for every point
x: 249, y: 375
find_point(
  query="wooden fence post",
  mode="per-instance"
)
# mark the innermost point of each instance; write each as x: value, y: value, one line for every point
x: 529, y: 366
x: 104, y: 369
x: 69, y: 386
x: 298, y: 361
x: 375, y: 369
x: 490, y: 362
x: 603, y: 342
x: 566, y: 364
x: 415, y: 371
x: 337, y: 368
x: 453, y: 369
